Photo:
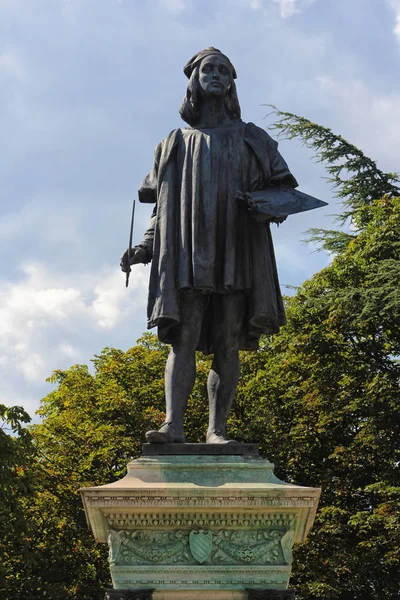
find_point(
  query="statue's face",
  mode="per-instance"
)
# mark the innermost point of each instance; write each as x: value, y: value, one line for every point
x: 214, y: 75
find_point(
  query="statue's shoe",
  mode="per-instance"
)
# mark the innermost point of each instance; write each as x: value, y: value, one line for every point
x: 165, y: 435
x: 218, y: 437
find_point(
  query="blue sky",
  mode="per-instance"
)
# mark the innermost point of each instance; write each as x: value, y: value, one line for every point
x: 89, y: 87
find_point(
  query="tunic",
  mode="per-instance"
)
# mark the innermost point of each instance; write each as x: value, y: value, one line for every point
x: 202, y: 238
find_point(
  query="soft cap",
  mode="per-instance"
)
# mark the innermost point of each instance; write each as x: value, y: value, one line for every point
x: 194, y: 61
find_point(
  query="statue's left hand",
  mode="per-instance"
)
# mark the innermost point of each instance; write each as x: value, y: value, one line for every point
x: 250, y: 205
x: 253, y: 210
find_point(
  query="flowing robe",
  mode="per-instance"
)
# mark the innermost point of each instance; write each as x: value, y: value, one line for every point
x: 201, y: 236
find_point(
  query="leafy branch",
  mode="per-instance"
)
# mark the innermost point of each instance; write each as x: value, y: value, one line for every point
x: 355, y: 178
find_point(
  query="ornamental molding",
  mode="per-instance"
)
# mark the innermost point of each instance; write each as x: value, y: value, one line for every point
x: 179, y: 501
x: 199, y: 576
x: 117, y: 520
x: 199, y: 572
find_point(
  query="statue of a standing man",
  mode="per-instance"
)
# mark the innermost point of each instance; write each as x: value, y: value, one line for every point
x: 213, y: 283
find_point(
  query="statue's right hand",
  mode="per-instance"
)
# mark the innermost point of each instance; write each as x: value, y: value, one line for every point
x: 138, y: 255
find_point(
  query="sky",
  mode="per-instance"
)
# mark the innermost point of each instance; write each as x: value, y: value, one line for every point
x: 89, y: 87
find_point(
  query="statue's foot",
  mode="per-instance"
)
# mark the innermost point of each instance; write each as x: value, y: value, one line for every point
x: 167, y: 434
x: 217, y: 436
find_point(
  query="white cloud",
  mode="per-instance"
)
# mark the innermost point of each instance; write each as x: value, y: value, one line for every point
x: 27, y: 310
x: 33, y: 368
x: 49, y: 320
x: 110, y: 304
x: 395, y: 5
x: 69, y: 351
x: 27, y: 305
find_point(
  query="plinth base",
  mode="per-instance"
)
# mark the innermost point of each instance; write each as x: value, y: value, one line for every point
x: 235, y: 449
x: 201, y: 526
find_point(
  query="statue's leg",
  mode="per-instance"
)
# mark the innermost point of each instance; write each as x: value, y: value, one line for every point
x: 180, y: 370
x: 225, y: 370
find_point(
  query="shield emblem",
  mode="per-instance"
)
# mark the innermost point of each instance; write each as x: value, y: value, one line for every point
x: 200, y: 543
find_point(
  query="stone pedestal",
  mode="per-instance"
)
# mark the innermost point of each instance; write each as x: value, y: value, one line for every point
x: 194, y: 521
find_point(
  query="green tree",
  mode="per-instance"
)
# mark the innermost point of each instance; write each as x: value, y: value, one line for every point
x: 355, y: 178
x: 16, y: 452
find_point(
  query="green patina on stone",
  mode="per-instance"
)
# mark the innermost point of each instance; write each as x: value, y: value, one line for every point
x: 221, y: 547
x: 222, y: 523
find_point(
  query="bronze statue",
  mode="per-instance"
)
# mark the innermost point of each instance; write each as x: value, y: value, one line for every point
x: 213, y: 284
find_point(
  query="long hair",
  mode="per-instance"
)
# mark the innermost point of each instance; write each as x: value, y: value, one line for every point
x: 189, y: 110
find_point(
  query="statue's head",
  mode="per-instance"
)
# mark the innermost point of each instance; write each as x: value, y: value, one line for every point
x: 210, y: 73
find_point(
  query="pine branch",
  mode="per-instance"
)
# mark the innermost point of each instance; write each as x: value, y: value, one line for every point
x: 329, y: 239
x: 356, y: 178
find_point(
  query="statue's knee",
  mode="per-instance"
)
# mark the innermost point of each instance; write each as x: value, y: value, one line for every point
x: 186, y: 342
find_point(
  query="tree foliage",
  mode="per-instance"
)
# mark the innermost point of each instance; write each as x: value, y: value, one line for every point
x: 16, y: 452
x: 355, y: 178
x: 321, y: 398
x: 93, y: 423
x: 327, y: 395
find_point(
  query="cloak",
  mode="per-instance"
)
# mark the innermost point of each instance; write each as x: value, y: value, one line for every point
x: 248, y: 264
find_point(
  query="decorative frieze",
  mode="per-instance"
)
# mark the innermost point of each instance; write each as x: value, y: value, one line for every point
x: 220, y: 547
